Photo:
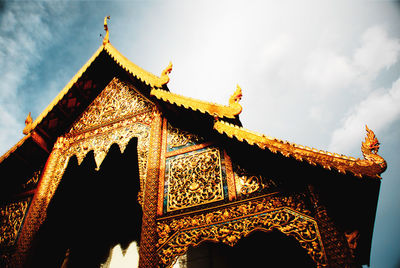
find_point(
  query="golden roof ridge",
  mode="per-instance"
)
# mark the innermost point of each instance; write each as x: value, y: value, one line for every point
x: 135, y: 70
x: 372, y: 166
x: 63, y: 92
x: 213, y: 109
x: 14, y: 148
x: 121, y: 60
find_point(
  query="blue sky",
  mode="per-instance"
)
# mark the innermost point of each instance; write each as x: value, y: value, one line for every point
x: 312, y: 72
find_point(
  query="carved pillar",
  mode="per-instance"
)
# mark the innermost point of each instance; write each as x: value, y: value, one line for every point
x: 147, y: 251
x: 37, y: 211
x: 336, y: 249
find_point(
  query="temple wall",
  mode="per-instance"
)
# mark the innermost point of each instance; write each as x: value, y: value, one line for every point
x: 191, y: 190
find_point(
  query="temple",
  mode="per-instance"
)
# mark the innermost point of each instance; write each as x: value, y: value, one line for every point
x: 116, y: 157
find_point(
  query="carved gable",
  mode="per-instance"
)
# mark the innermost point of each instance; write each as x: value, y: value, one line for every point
x: 118, y: 100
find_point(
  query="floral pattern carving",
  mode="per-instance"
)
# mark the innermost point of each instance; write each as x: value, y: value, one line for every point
x: 117, y: 115
x: 11, y: 217
x: 194, y: 179
x: 232, y: 223
x: 120, y: 134
x: 177, y: 137
x: 248, y: 183
x: 118, y: 100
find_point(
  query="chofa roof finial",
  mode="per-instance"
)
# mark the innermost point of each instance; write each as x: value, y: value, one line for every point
x: 28, y: 124
x: 370, y: 149
x: 164, y: 74
x: 234, y: 100
x: 106, y: 40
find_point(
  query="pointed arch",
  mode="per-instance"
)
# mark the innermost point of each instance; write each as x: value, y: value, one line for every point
x: 233, y: 223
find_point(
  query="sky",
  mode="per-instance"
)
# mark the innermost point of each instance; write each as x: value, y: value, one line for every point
x: 312, y: 72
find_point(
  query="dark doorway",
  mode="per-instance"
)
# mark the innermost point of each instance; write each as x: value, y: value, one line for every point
x: 91, y: 211
x: 259, y: 249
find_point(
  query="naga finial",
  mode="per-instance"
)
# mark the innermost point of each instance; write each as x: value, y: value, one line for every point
x: 28, y: 124
x: 236, y: 96
x: 234, y: 100
x: 165, y: 73
x: 28, y: 119
x: 371, y: 144
x: 370, y: 149
x: 106, y: 40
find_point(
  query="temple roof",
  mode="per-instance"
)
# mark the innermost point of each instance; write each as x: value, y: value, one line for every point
x: 141, y: 74
x: 341, y: 163
x: 212, y: 109
x: 65, y: 103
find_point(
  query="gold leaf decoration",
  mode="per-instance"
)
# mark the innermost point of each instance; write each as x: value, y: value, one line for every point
x: 11, y: 217
x: 194, y: 179
x: 117, y: 101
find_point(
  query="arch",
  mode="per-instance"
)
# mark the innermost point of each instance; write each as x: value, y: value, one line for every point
x: 231, y: 230
x: 258, y: 249
x: 91, y: 211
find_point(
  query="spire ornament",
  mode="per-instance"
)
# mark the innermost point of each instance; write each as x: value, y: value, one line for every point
x: 106, y: 40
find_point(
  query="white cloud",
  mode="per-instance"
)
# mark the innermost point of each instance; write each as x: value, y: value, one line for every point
x: 330, y: 72
x: 377, y: 52
x: 326, y: 71
x: 378, y: 111
x: 24, y: 34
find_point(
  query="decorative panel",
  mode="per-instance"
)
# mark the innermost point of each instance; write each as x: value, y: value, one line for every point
x: 178, y: 138
x: 194, y: 179
x: 248, y: 183
x: 230, y: 223
x: 11, y: 218
x: 118, y: 100
x: 117, y: 115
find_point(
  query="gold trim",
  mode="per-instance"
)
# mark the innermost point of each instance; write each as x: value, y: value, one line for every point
x: 147, y: 250
x: 229, y: 225
x: 14, y: 148
x: 230, y: 177
x: 212, y: 109
x: 313, y: 156
x: 63, y: 92
x: 161, y: 181
x: 217, y: 207
x: 189, y: 149
x: 141, y: 74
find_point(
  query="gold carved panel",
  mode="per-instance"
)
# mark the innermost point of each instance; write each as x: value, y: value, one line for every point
x: 117, y: 100
x: 194, y: 179
x: 11, y: 218
x: 248, y: 182
x: 231, y: 223
x: 120, y: 133
x: 118, y: 114
x: 177, y: 138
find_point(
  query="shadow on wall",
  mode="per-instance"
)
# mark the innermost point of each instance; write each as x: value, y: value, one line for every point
x: 91, y: 212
